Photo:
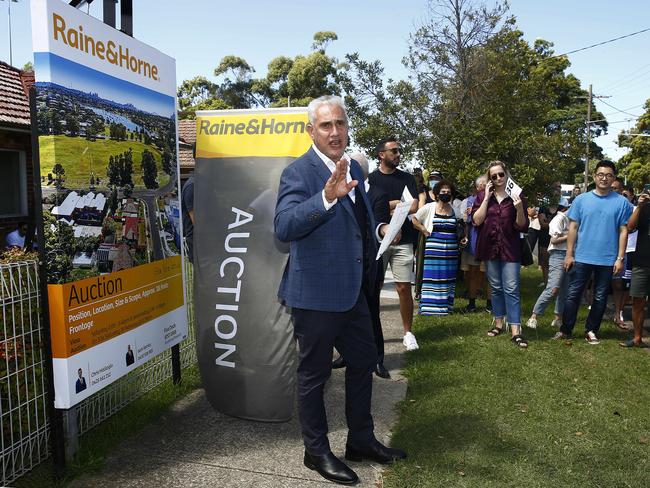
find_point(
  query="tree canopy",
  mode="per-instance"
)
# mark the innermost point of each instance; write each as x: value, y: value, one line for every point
x: 477, y: 92
x: 288, y: 82
x: 636, y: 163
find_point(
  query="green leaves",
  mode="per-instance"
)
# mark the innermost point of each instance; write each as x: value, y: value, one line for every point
x: 289, y: 81
x: 636, y: 163
x: 477, y: 92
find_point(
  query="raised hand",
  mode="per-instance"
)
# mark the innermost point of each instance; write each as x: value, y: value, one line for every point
x: 337, y: 186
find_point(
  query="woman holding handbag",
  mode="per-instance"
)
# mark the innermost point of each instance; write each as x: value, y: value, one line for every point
x: 436, y: 220
x: 501, y: 218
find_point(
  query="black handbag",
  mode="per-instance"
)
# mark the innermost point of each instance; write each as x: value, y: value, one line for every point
x: 526, y: 251
x: 461, y: 232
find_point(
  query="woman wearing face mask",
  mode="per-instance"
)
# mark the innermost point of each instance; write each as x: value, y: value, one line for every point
x: 434, y: 178
x: 436, y: 221
x: 501, y: 219
x: 425, y: 197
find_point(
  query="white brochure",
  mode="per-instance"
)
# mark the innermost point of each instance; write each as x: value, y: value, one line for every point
x: 512, y: 188
x: 395, y: 225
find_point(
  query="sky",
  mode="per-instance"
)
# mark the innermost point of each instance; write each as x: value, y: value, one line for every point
x: 199, y: 33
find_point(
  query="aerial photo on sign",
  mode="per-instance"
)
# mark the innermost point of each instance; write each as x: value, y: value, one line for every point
x: 108, y: 172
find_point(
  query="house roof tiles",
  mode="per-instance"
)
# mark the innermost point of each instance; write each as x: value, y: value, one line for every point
x: 14, y: 96
x: 187, y: 131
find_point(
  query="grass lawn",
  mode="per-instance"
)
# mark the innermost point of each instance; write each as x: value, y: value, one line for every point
x: 77, y: 155
x: 481, y: 413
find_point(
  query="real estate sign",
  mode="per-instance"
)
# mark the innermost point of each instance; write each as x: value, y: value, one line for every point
x: 106, y: 113
x: 245, y: 343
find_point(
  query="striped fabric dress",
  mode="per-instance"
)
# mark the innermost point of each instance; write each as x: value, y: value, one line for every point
x: 440, y: 267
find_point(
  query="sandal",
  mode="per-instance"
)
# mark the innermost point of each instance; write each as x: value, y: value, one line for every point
x: 631, y: 343
x: 621, y: 325
x: 495, y: 331
x: 520, y: 341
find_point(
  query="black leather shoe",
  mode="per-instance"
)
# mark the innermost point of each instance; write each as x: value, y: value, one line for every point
x: 381, y: 371
x: 374, y: 452
x: 331, y: 468
x: 339, y: 362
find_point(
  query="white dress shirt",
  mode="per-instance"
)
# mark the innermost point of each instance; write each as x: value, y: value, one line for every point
x: 331, y: 165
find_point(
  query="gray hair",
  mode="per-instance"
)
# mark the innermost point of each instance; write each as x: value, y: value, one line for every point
x: 360, y: 158
x: 480, y: 179
x: 316, y: 103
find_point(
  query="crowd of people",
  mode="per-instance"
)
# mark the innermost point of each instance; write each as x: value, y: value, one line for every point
x: 587, y: 248
x: 334, y: 214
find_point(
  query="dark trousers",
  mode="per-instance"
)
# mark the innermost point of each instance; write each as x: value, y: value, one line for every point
x: 372, y: 297
x: 578, y: 277
x: 351, y: 333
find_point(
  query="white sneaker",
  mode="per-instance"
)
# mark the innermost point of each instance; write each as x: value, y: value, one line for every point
x: 532, y: 323
x: 591, y: 338
x: 556, y: 323
x: 409, y: 342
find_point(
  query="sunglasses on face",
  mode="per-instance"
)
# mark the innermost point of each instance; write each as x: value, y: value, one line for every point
x: 394, y: 150
x: 497, y: 175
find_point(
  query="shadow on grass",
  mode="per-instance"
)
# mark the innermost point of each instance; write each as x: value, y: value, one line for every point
x: 456, y: 443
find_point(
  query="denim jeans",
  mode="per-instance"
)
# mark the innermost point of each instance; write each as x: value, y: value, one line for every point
x: 578, y: 276
x: 556, y: 279
x: 503, y: 277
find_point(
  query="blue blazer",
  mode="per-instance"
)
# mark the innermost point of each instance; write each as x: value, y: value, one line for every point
x: 325, y: 267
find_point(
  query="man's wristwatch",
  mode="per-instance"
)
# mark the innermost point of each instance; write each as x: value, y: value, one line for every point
x: 620, y: 259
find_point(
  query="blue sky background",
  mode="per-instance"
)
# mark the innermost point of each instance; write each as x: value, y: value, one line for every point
x: 199, y: 33
x: 73, y: 75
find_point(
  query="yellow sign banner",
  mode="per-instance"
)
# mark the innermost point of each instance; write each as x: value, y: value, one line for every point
x: 224, y: 135
x: 89, y: 312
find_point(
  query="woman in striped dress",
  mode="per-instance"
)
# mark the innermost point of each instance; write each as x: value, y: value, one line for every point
x: 437, y: 221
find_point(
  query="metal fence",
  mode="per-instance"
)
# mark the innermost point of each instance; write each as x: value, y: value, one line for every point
x: 23, y: 401
x: 23, y: 398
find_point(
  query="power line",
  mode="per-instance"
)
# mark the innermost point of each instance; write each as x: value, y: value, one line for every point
x: 618, y: 109
x: 626, y: 76
x: 629, y: 78
x: 629, y: 108
x: 601, y: 43
x: 633, y: 87
x: 625, y: 121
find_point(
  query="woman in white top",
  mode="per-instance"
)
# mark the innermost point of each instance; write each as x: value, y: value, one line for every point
x: 557, y: 283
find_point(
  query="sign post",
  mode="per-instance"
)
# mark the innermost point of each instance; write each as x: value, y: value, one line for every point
x: 111, y: 236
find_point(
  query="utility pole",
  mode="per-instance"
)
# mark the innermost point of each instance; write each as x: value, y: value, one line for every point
x: 589, y: 99
x: 11, y: 60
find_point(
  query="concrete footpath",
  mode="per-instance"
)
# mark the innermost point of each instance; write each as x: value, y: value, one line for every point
x: 194, y: 446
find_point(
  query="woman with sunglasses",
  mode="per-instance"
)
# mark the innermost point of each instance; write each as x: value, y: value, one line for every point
x: 500, y: 219
x: 438, y: 223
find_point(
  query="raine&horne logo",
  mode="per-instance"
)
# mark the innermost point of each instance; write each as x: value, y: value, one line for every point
x: 106, y: 50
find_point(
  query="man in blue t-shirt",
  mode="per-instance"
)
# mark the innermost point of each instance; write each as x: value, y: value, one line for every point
x: 595, y: 245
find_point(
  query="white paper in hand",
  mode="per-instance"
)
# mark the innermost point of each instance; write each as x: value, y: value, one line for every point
x: 512, y: 188
x: 406, y: 195
x: 394, y: 226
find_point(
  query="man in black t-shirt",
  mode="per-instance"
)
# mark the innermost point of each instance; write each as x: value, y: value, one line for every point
x: 393, y: 183
x: 640, y: 286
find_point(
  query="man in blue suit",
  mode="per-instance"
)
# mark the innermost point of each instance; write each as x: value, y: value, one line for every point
x: 326, y: 217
